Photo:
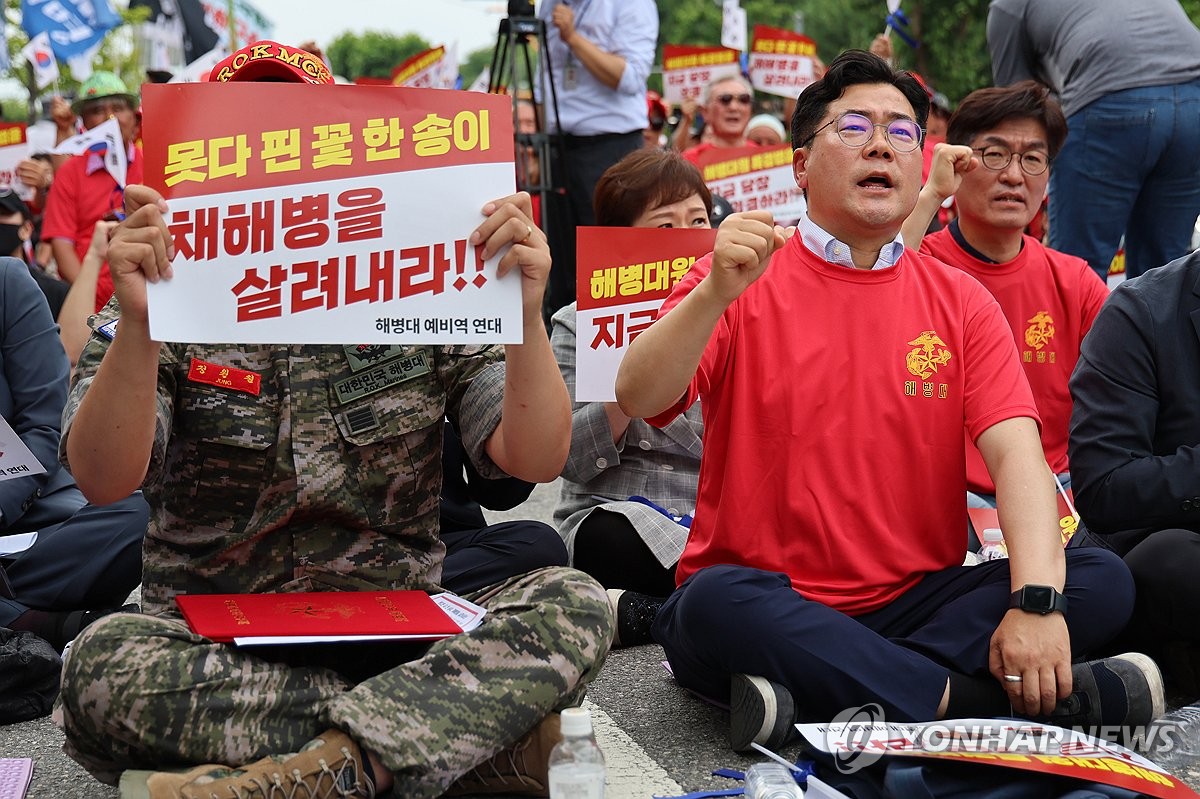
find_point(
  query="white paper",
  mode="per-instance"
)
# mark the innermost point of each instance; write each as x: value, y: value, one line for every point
x: 16, y: 543
x: 16, y: 460
x: 466, y: 615
x: 733, y: 27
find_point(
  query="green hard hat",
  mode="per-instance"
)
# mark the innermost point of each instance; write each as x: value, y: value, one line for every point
x: 103, y: 84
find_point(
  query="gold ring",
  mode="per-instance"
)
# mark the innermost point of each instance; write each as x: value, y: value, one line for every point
x: 528, y: 233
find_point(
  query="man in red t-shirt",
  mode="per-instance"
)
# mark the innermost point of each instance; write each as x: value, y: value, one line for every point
x: 84, y: 192
x: 1049, y: 298
x: 838, y: 371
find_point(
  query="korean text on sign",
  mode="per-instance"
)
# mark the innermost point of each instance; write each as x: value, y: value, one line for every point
x: 326, y: 221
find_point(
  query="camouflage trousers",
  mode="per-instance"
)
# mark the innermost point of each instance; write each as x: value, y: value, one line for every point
x: 145, y: 692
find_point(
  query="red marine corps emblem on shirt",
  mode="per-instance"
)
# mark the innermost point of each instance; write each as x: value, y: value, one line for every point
x: 930, y: 353
x: 1040, y: 330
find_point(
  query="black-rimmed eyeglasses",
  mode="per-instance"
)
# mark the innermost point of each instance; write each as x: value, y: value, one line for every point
x: 997, y: 159
x: 855, y: 130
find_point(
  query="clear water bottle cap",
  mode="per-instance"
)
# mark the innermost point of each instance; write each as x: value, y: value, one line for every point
x: 576, y: 721
x: 992, y: 535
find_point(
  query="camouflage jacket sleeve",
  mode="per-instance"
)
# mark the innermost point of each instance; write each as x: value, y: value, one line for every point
x: 104, y: 327
x: 474, y: 381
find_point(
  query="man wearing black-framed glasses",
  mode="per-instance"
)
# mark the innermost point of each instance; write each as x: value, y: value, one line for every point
x: 838, y: 369
x: 1049, y: 298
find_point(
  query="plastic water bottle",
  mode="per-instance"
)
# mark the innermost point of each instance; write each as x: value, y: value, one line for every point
x: 993, y: 545
x: 1176, y: 741
x: 576, y: 762
x: 771, y: 781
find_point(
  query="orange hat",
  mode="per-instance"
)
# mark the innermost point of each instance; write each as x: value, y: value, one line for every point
x: 265, y: 60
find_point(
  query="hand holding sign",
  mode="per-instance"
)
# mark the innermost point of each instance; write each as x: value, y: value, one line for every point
x: 510, y: 222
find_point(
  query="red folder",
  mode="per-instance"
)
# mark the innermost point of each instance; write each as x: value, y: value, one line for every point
x: 329, y: 615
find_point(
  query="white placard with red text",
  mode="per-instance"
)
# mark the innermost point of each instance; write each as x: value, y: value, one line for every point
x: 340, y: 217
x: 622, y: 277
x: 782, y: 62
x: 755, y: 178
x: 13, y: 150
x: 688, y: 70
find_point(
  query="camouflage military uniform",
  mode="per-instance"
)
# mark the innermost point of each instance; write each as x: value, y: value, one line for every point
x: 328, y: 478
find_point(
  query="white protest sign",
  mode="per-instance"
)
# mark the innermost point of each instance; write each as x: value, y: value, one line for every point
x: 350, y: 232
x: 16, y: 459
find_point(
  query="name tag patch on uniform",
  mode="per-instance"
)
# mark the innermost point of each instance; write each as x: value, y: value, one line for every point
x: 380, y: 377
x: 213, y: 374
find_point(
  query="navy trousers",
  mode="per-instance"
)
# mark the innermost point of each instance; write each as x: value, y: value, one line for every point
x: 86, y: 557
x: 734, y: 619
x: 476, y: 559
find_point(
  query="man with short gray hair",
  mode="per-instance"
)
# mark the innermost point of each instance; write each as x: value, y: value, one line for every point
x: 728, y: 105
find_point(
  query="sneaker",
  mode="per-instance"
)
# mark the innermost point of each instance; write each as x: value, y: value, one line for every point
x: 1121, y: 691
x: 328, y: 767
x: 635, y: 614
x: 521, y: 769
x: 760, y: 712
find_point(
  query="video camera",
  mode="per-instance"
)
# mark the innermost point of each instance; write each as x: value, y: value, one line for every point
x: 520, y: 8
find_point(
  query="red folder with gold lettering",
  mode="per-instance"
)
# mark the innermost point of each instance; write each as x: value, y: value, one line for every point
x: 316, y: 616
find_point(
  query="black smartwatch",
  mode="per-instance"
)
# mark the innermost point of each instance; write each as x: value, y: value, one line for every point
x: 1041, y: 599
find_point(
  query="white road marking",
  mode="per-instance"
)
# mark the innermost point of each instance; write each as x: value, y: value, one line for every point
x: 632, y: 774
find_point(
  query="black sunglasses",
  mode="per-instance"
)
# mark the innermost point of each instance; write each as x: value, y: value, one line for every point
x: 727, y: 99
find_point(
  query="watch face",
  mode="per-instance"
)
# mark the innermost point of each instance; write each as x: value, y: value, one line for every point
x: 1038, y: 598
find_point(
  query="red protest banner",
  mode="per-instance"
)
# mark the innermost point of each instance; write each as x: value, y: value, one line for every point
x: 781, y: 62
x: 623, y: 275
x: 279, y: 134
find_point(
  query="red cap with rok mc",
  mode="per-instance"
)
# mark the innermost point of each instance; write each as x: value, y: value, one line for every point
x: 271, y: 61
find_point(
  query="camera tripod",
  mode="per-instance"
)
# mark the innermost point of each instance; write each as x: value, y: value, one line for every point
x: 536, y: 155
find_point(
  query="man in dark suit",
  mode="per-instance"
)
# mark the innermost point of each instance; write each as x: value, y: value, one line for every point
x: 86, y: 559
x: 1135, y: 450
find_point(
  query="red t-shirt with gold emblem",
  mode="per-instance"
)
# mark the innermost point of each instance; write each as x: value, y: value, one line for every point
x: 1050, y: 300
x: 834, y: 406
